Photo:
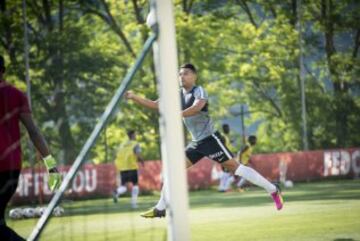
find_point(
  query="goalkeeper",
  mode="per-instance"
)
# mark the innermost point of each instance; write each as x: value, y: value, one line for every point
x: 14, y: 108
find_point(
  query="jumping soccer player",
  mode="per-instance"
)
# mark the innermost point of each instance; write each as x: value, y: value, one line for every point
x: 128, y: 155
x: 205, y: 140
x: 14, y: 108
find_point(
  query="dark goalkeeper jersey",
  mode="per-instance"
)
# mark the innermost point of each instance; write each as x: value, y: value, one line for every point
x: 12, y: 103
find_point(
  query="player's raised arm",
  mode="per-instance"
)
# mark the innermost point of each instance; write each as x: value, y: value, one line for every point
x: 195, y: 108
x: 151, y: 104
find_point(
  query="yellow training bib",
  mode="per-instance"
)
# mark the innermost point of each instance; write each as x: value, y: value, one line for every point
x: 245, y: 156
x: 126, y: 158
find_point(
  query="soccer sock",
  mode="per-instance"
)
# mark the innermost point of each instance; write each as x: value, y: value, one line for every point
x: 134, y: 195
x: 254, y: 177
x: 121, y: 190
x: 161, y: 205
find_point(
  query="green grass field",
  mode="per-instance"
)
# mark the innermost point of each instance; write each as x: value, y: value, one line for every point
x: 313, y: 211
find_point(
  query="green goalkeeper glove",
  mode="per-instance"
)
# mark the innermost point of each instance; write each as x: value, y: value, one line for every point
x: 54, y: 179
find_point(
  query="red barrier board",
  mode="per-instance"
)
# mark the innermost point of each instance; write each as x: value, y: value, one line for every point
x: 100, y: 180
x: 90, y: 181
x: 310, y: 165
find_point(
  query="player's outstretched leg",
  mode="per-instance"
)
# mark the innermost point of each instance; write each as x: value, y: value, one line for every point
x: 277, y: 197
x: 254, y: 177
x: 154, y: 213
x: 159, y: 210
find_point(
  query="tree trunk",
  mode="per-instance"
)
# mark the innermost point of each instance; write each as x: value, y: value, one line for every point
x: 59, y: 112
x: 67, y: 140
x: 340, y: 87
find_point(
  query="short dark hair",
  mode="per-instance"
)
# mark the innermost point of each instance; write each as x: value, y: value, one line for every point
x: 189, y: 66
x: 226, y: 128
x: 252, y: 139
x: 2, y: 64
x: 130, y: 133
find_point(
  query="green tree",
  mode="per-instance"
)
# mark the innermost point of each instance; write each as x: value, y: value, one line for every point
x: 246, y: 51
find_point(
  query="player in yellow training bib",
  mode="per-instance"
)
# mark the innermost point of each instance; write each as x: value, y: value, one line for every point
x: 226, y: 178
x: 245, y: 155
x: 126, y: 162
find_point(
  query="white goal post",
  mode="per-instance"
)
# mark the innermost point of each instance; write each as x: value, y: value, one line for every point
x: 171, y: 129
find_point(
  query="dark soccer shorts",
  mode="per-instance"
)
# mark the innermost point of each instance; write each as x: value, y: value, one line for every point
x: 129, y: 176
x: 212, y: 147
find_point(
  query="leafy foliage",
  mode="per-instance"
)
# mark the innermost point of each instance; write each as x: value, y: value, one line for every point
x: 247, y: 52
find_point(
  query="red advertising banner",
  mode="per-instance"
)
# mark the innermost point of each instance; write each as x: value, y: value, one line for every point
x: 199, y: 175
x: 90, y: 181
x: 100, y: 180
x: 310, y: 165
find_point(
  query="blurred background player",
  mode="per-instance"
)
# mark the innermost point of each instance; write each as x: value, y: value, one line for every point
x: 14, y: 108
x: 126, y: 162
x: 226, y: 178
x: 245, y: 158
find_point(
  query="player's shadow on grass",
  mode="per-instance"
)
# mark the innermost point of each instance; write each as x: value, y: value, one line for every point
x: 344, y: 239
